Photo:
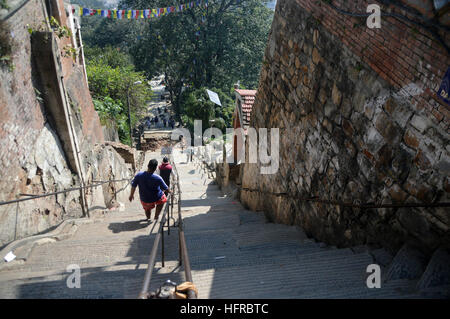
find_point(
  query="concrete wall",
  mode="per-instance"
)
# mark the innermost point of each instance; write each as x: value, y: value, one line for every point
x: 359, y: 122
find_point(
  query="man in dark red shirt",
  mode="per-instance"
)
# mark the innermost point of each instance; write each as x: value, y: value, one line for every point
x: 165, y: 169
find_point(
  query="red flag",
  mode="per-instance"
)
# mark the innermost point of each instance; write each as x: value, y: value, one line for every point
x: 137, y: 14
x: 109, y: 13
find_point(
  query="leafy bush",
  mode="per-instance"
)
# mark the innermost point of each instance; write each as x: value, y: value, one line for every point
x: 196, y: 105
x: 114, y: 83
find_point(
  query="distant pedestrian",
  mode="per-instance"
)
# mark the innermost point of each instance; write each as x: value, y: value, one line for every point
x: 165, y: 122
x: 151, y: 187
x: 182, y: 143
x: 165, y: 170
x: 172, y: 123
x: 189, y: 153
x: 156, y: 121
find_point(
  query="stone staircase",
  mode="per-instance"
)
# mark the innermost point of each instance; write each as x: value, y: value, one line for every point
x: 234, y: 253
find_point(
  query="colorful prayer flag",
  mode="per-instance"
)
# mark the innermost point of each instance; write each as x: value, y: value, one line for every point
x: 136, y: 14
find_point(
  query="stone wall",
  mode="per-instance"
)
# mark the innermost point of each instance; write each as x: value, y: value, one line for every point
x: 33, y: 157
x: 360, y: 122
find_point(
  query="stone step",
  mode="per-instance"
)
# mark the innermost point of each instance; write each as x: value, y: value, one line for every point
x: 408, y: 263
x: 271, y: 258
x: 357, y: 290
x: 310, y: 273
x: 95, y: 284
x: 437, y: 272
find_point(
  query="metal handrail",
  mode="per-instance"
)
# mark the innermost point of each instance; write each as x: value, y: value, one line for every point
x: 183, y: 253
x: 151, y: 261
x: 61, y: 192
x: 184, y: 256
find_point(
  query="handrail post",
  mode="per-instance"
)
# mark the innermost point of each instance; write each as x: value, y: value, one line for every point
x: 171, y: 201
x: 168, y: 216
x: 162, y: 243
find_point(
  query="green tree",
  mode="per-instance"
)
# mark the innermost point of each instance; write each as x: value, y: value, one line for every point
x: 114, y: 83
x: 197, y: 48
x: 196, y: 105
x: 228, y: 47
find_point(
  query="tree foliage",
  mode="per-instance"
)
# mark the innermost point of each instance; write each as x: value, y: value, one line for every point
x: 211, y: 47
x: 228, y: 48
x: 196, y: 105
x: 114, y: 83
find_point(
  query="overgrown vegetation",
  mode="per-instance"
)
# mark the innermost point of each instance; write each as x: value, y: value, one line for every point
x: 114, y: 82
x: 199, y: 48
x: 6, y: 47
x: 4, y: 4
x: 196, y: 105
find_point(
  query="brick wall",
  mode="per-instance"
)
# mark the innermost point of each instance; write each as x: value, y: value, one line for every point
x: 357, y: 125
x: 400, y: 52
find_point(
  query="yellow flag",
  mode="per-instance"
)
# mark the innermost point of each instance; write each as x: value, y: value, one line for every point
x: 114, y: 14
x: 129, y: 14
x: 154, y: 13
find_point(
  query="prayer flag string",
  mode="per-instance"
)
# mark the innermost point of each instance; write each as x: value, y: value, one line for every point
x: 138, y: 14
